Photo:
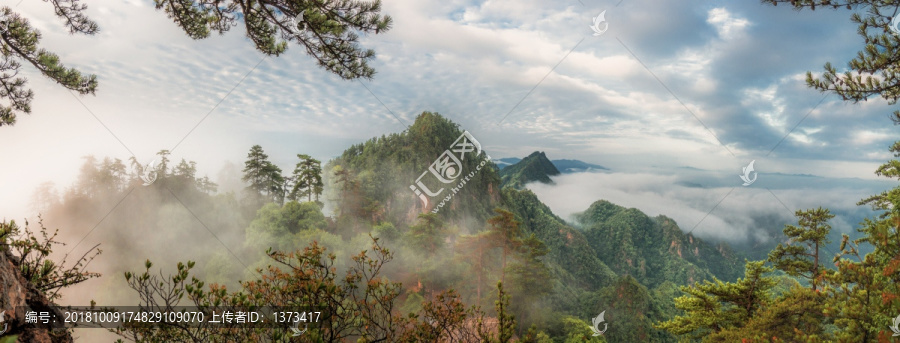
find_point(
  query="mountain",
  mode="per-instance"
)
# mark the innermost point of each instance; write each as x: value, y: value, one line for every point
x: 653, y: 250
x: 564, y: 166
x: 535, y: 167
x: 381, y: 176
x: 613, y: 259
x: 576, y: 166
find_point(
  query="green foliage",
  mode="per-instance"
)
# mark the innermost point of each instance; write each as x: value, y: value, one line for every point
x: 629, y: 310
x: 711, y: 307
x: 796, y: 316
x: 506, y: 322
x: 535, y: 336
x: 274, y: 225
x: 652, y: 250
x: 32, y: 255
x: 865, y: 289
x: 578, y: 331
x: 801, y: 257
x: 387, y: 232
x: 327, y: 32
x: 874, y: 71
x: 373, y: 182
x: 428, y: 235
x: 307, y: 179
x: 264, y: 178
x: 535, y: 167
x: 358, y: 304
x: 21, y: 43
x: 574, y: 259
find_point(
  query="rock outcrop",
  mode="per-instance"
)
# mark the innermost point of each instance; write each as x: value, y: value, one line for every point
x: 18, y: 296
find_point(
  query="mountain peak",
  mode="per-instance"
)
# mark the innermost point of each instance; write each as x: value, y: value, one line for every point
x: 535, y: 167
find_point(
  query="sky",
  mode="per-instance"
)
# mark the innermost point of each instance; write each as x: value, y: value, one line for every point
x: 670, y: 88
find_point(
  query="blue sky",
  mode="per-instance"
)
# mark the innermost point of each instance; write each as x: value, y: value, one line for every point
x: 736, y: 68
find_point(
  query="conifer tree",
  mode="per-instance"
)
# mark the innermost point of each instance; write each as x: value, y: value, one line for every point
x: 264, y: 178
x: 802, y: 257
x: 327, y: 30
x: 713, y: 306
x: 506, y: 235
x: 20, y: 43
x: 307, y: 178
x: 874, y: 71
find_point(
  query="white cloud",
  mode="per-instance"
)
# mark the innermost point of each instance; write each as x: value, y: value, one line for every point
x: 726, y: 24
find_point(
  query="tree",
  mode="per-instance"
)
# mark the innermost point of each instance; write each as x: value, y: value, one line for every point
x: 874, y: 71
x: 48, y: 276
x: 801, y: 257
x: 358, y: 304
x: 474, y: 250
x: 713, y: 306
x: 506, y: 322
x: 506, y: 234
x: 307, y: 178
x: 428, y: 234
x: 865, y: 291
x: 530, y: 279
x: 443, y: 318
x: 20, y: 42
x: 264, y: 177
x: 274, y: 183
x: 326, y: 29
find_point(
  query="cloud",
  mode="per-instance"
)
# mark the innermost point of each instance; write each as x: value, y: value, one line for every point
x: 737, y: 67
x: 732, y: 213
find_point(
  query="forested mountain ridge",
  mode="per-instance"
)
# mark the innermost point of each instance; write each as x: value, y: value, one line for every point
x: 373, y: 179
x: 653, y: 250
x: 557, y: 275
x: 535, y: 167
x: 620, y: 260
x: 379, y: 171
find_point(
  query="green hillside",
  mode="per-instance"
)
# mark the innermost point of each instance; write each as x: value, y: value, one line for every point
x: 425, y: 261
x: 653, y: 250
x: 379, y: 172
x: 535, y: 167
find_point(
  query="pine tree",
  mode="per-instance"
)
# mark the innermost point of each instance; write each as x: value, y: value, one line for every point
x: 474, y: 250
x: 255, y: 170
x: 713, y: 306
x: 307, y: 178
x: 428, y: 234
x: 327, y: 30
x: 874, y: 71
x: 866, y: 287
x: 506, y: 322
x: 274, y: 183
x: 265, y: 179
x: 506, y: 234
x: 801, y: 257
x: 21, y: 43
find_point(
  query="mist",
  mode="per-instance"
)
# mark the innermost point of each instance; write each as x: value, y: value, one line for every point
x: 746, y: 215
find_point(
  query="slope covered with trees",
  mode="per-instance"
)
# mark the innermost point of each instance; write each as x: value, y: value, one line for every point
x: 494, y: 264
x: 534, y: 168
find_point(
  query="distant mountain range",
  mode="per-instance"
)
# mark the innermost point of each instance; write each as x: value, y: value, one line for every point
x: 564, y: 166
